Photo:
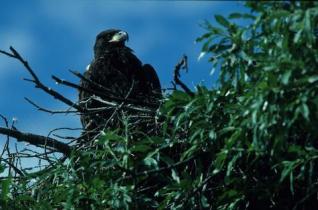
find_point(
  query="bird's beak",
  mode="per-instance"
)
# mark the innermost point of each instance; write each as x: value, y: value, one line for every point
x: 121, y: 36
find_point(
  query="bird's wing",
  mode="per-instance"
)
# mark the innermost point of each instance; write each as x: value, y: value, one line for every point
x: 151, y: 78
x: 82, y: 94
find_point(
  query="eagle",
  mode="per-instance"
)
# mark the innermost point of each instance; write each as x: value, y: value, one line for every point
x: 114, y: 83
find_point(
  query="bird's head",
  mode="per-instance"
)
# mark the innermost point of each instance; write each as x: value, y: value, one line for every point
x: 110, y: 38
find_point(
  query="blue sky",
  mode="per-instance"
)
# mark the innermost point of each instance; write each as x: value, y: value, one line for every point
x: 55, y: 36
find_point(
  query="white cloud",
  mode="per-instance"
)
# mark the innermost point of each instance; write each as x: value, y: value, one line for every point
x: 87, y: 18
x: 79, y: 13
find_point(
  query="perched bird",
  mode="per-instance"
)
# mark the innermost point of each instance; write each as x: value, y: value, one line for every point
x: 115, y: 76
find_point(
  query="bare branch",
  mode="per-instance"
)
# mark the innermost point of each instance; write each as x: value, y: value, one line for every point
x: 7, y: 54
x: 92, y: 83
x: 18, y: 171
x: 90, y: 110
x: 105, y: 95
x: 37, y: 140
x: 183, y: 64
x: 114, y: 104
x: 25, y: 63
x: 48, y: 110
x: 38, y: 83
x: 5, y: 120
x: 6, y: 145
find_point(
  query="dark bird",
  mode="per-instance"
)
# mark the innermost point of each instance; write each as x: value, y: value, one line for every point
x: 116, y: 79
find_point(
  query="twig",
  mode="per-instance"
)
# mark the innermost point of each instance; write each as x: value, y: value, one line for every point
x: 92, y: 83
x: 64, y: 128
x: 37, y: 140
x: 159, y: 170
x: 7, y: 54
x: 38, y: 83
x: 183, y: 64
x: 18, y: 171
x: 115, y: 105
x: 6, y: 145
x: 105, y: 95
x: 48, y: 110
x: 119, y: 106
x: 70, y: 138
x: 192, y: 192
x: 5, y: 120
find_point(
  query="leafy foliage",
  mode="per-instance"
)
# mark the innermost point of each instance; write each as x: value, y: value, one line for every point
x: 249, y: 144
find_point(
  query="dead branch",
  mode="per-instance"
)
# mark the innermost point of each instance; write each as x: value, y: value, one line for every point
x: 88, y: 90
x: 6, y: 145
x: 115, y: 105
x: 37, y: 140
x: 106, y: 96
x: 18, y: 171
x: 92, y: 83
x: 183, y: 64
x: 39, y: 108
x: 38, y: 83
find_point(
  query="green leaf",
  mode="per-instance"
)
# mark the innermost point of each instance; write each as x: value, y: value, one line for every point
x: 204, y: 202
x: 110, y: 136
x: 231, y: 164
x: 285, y: 77
x: 175, y: 176
x: 203, y: 37
x: 307, y: 21
x: 149, y: 161
x: 313, y: 79
x: 223, y: 21
x: 230, y: 143
x: 212, y: 135
x: 304, y: 111
x: 5, y: 189
x: 298, y: 36
x: 189, y: 152
x: 226, y: 130
x: 288, y: 167
x: 140, y: 148
x: 219, y: 161
x: 2, y: 168
x: 241, y: 15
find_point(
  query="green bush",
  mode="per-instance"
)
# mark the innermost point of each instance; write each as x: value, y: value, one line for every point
x: 251, y: 143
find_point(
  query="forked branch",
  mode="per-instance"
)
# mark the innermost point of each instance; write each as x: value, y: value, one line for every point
x: 38, y: 84
x: 183, y: 64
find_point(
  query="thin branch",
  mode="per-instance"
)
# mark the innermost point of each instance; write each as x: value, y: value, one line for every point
x: 92, y: 83
x: 48, y: 110
x: 195, y: 190
x: 119, y: 106
x: 7, y: 54
x: 183, y: 64
x: 105, y: 95
x: 114, y: 104
x: 6, y: 145
x: 63, y: 128
x: 5, y: 120
x: 18, y: 171
x: 159, y: 170
x: 16, y: 55
x: 38, y: 83
x: 37, y: 140
x: 69, y: 138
